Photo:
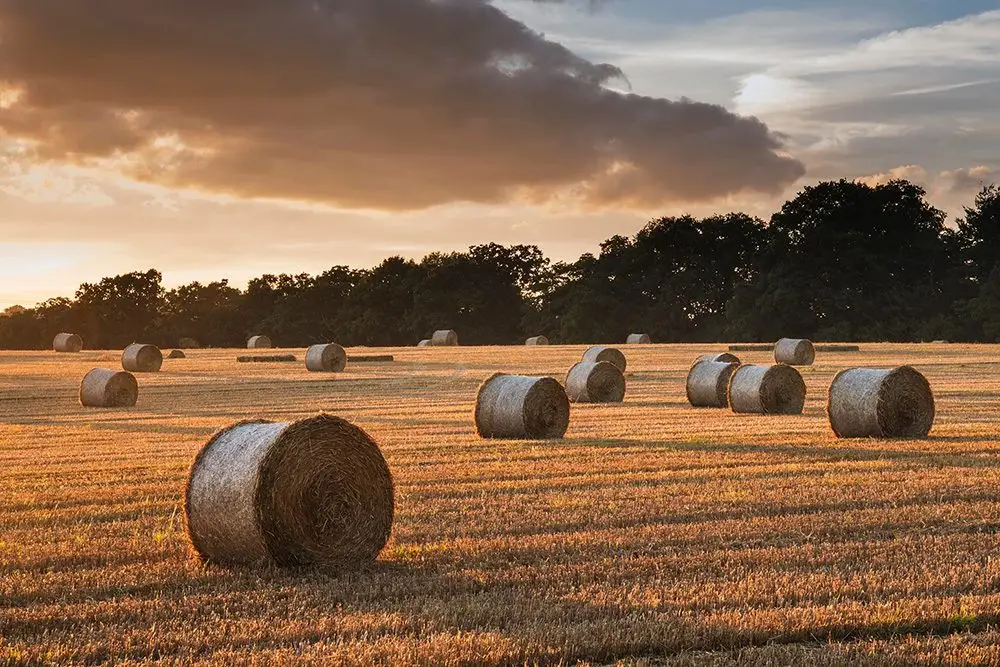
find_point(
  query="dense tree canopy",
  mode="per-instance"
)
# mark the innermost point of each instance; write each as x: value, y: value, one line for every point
x: 842, y: 260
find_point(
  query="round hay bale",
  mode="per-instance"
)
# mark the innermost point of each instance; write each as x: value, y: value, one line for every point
x: 794, y: 352
x: 259, y: 343
x: 329, y: 358
x: 708, y: 383
x: 771, y: 390
x: 604, y: 353
x: 518, y: 406
x: 141, y: 358
x: 424, y: 343
x: 638, y: 339
x: 537, y: 340
x: 188, y: 343
x: 445, y: 337
x: 105, y: 388
x: 67, y: 342
x: 176, y: 354
x: 874, y: 403
x: 724, y: 357
x: 595, y: 382
x: 312, y: 493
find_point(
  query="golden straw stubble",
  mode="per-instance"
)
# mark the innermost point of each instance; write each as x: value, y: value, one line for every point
x: 312, y: 493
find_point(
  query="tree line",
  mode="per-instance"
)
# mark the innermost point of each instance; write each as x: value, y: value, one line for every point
x: 843, y: 260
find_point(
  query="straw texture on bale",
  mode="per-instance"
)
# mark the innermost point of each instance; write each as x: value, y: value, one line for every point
x: 638, y: 338
x: 837, y: 348
x: 445, y: 337
x: 266, y: 358
x: 751, y: 347
x: 259, y: 343
x: 603, y: 353
x: 724, y: 357
x: 424, y: 343
x: 141, y: 358
x: 188, y: 343
x: 311, y: 493
x: 105, y: 388
x: 708, y: 383
x: 537, y: 340
x: 328, y: 358
x: 771, y: 390
x: 876, y: 403
x: 67, y: 342
x: 519, y: 406
x: 176, y: 354
x: 794, y: 352
x: 595, y: 382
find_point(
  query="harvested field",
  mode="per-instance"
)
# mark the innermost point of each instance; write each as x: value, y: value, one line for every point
x: 652, y: 531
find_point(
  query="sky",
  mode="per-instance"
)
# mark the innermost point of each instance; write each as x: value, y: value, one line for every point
x: 232, y: 139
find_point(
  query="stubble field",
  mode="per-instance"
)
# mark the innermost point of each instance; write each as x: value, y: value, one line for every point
x: 653, y: 533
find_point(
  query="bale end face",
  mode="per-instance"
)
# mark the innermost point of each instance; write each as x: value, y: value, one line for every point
x: 595, y: 382
x: 878, y: 403
x: 105, y: 388
x: 519, y: 406
x: 312, y: 493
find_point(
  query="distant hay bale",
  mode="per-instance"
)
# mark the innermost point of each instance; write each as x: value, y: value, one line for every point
x: 328, y: 358
x: 141, y: 358
x: 638, y: 339
x: 259, y: 343
x: 595, y: 382
x: 312, y: 493
x: 708, y: 383
x: 794, y: 352
x: 875, y: 403
x: 266, y: 358
x: 444, y: 338
x: 772, y: 390
x: 105, y: 388
x: 518, y: 406
x: 837, y: 348
x: 424, y: 343
x: 537, y: 340
x: 605, y: 353
x: 751, y: 347
x: 188, y: 343
x: 724, y: 357
x: 176, y: 354
x: 67, y: 342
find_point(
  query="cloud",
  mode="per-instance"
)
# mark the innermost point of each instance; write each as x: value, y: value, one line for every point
x: 910, y: 172
x: 970, y: 179
x: 387, y: 104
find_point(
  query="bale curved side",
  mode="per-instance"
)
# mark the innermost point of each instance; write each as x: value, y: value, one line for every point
x: 708, y: 383
x: 537, y: 340
x: 638, y: 339
x: 595, y: 382
x: 794, y: 352
x: 316, y: 492
x: 67, y: 342
x: 445, y: 338
x: 259, y: 343
x: 142, y: 358
x: 878, y: 403
x: 604, y: 353
x: 326, y: 358
x: 105, y: 388
x: 519, y: 406
x: 724, y: 357
x: 772, y: 390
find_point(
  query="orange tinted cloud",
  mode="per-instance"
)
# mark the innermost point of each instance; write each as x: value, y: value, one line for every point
x: 390, y: 104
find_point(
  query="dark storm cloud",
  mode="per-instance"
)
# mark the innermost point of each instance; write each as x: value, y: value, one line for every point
x: 373, y: 103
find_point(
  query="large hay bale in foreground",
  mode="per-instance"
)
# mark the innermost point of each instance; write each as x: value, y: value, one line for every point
x: 316, y: 492
x: 878, y: 403
x: 771, y: 390
x: 604, y: 353
x: 424, y: 343
x: 105, y: 388
x: 176, y: 354
x: 724, y: 357
x: 259, y: 343
x: 328, y: 358
x: 794, y: 352
x: 519, y: 406
x: 708, y: 383
x: 142, y: 358
x: 67, y: 342
x: 444, y: 338
x: 595, y: 382
x: 638, y: 339
x: 537, y: 340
